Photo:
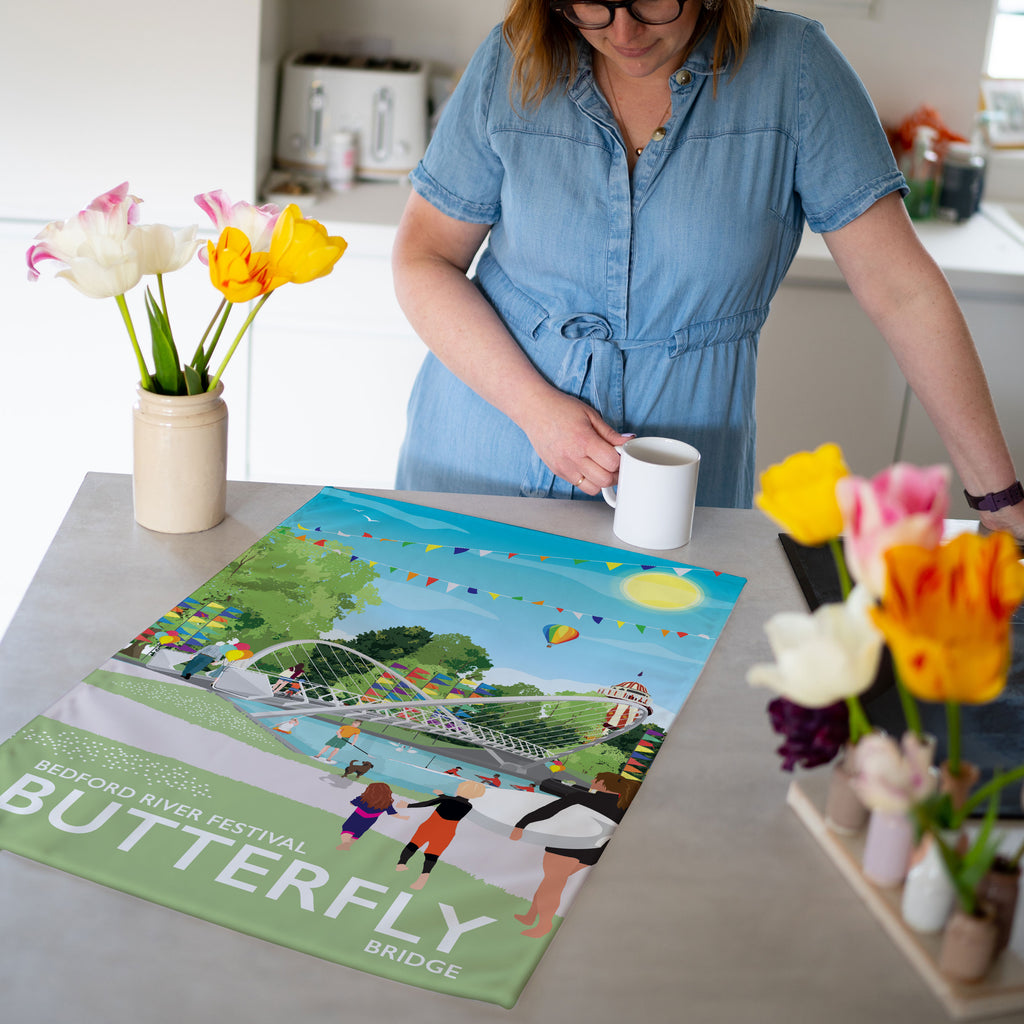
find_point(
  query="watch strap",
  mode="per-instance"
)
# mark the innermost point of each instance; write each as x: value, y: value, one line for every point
x: 995, y: 500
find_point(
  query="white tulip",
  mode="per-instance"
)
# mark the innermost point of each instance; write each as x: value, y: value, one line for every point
x: 824, y: 657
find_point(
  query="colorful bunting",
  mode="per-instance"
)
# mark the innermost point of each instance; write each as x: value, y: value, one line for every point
x: 483, y: 553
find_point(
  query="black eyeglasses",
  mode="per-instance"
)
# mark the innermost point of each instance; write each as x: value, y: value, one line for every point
x: 591, y: 14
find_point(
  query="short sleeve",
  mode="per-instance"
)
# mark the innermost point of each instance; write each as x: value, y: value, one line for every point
x: 460, y: 174
x: 844, y: 161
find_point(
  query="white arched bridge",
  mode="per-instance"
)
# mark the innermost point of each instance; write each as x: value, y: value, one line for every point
x: 322, y: 677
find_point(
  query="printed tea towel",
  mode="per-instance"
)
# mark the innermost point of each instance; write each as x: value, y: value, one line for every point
x: 392, y: 737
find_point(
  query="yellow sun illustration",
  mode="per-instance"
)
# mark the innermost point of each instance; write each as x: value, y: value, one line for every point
x: 662, y: 590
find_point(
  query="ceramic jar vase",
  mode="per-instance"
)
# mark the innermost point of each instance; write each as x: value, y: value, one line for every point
x: 968, y: 945
x: 845, y: 813
x: 180, y: 460
x: 999, y: 888
x: 928, y: 893
x: 887, y: 848
x: 959, y: 786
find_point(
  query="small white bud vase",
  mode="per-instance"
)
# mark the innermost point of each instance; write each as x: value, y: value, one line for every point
x: 928, y: 893
x: 179, y: 479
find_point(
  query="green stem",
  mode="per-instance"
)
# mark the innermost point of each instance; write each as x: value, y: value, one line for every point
x: 953, y: 736
x: 859, y: 724
x: 144, y: 377
x: 238, y: 337
x: 200, y: 356
x: 208, y: 355
x: 163, y: 297
x: 845, y: 585
x: 910, y: 712
x: 980, y: 795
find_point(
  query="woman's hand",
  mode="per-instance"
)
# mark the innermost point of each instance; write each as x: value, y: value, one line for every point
x: 574, y: 442
x: 1010, y: 520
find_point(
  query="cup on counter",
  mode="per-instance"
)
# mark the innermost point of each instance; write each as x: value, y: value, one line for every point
x: 656, y: 492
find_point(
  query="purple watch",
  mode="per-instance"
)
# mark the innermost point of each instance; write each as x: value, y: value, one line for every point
x: 995, y: 500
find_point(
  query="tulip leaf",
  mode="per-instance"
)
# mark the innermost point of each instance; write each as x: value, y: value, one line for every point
x: 165, y: 355
x: 193, y: 381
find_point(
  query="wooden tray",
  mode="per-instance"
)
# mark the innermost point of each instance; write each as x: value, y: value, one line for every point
x: 1002, y: 991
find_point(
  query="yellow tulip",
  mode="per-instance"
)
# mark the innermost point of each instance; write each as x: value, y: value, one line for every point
x: 235, y: 270
x: 800, y: 494
x: 946, y: 616
x: 301, y: 250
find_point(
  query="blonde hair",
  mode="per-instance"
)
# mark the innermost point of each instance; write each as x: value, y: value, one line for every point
x: 470, y: 789
x: 543, y: 44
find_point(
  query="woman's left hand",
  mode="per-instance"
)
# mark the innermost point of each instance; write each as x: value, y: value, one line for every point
x: 1010, y: 520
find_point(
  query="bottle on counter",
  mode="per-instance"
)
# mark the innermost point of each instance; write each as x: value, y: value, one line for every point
x: 921, y: 167
x: 963, y: 177
x: 341, y: 160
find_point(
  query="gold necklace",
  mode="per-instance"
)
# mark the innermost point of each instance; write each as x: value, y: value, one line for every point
x: 656, y: 136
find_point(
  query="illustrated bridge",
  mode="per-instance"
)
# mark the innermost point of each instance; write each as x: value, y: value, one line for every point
x: 316, y: 677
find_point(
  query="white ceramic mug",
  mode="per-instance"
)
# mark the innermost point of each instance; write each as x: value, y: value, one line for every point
x: 656, y: 491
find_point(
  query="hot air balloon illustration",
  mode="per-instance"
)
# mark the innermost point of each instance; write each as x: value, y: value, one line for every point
x: 558, y: 634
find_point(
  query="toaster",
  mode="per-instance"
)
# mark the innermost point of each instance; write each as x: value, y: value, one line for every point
x: 382, y: 100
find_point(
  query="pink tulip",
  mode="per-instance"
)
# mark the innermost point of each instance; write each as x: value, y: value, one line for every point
x: 94, y: 246
x: 255, y: 222
x: 891, y: 777
x: 903, y: 504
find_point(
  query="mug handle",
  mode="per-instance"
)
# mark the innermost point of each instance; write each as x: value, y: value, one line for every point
x: 608, y: 493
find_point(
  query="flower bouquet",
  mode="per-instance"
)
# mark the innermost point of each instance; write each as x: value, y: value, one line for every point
x: 943, y: 609
x: 180, y: 420
x: 105, y: 253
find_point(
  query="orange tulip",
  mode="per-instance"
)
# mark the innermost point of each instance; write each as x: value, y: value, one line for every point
x: 235, y: 270
x: 946, y: 616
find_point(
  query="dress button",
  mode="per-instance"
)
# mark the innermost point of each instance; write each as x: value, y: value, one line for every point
x: 683, y: 77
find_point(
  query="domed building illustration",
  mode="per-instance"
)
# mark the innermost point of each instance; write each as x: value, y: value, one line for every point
x: 621, y: 716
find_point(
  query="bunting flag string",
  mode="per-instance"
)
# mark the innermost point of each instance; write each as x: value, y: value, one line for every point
x: 679, y: 570
x: 450, y: 586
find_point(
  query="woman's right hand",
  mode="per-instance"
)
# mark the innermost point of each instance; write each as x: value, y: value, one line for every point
x: 430, y: 256
x: 574, y: 442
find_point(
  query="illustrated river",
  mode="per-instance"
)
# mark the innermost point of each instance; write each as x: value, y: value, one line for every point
x: 394, y: 762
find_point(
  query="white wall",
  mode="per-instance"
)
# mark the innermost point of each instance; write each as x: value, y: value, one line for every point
x: 445, y: 32
x: 111, y: 90
x: 910, y: 52
x: 919, y: 51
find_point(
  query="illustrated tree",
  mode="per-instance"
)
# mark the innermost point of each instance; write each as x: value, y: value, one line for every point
x: 455, y: 654
x: 291, y: 589
x: 394, y: 643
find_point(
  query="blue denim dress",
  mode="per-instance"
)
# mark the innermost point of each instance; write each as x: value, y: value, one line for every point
x: 645, y: 295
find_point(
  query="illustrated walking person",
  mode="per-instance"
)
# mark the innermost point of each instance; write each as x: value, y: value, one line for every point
x: 201, y: 660
x: 434, y: 835
x: 608, y: 796
x: 292, y: 679
x: 345, y: 734
x: 375, y: 800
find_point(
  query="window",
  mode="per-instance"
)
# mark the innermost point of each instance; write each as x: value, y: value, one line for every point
x: 1006, y: 54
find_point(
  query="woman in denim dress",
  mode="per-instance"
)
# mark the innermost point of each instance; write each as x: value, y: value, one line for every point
x: 641, y: 174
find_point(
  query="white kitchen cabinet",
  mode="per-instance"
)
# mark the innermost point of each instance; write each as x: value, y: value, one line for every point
x: 825, y: 374
x: 332, y: 365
